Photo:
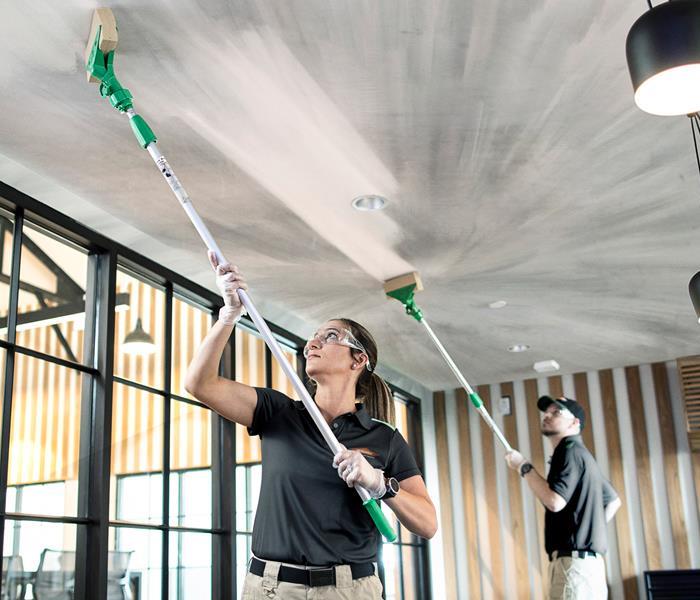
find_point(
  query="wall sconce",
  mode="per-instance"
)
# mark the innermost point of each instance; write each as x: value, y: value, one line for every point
x: 663, y: 57
x: 138, y: 342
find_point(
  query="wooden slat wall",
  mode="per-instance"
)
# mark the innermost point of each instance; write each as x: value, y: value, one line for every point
x: 537, y: 459
x: 517, y: 525
x: 632, y: 409
x: 671, y: 473
x: 641, y: 447
x: 468, y: 498
x: 581, y: 396
x: 443, y: 461
x: 494, y: 525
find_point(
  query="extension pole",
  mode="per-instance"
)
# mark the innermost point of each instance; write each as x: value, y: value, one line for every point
x: 473, y: 396
x: 402, y: 289
x: 100, y: 66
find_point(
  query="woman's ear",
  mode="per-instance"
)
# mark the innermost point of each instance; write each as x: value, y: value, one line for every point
x: 359, y: 361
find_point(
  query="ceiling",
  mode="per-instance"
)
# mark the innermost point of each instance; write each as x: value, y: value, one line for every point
x: 504, y: 135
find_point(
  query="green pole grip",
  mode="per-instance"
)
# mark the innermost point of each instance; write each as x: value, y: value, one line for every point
x: 379, y: 519
x: 476, y: 401
x: 144, y: 134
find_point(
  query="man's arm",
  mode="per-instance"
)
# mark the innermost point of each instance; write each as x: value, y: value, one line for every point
x: 611, y: 508
x: 538, y: 484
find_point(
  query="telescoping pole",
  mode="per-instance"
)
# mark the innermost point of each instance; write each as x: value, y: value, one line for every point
x: 402, y: 289
x: 100, y: 68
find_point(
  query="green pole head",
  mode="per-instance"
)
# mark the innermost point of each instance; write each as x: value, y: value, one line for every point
x: 405, y: 295
x: 101, y: 67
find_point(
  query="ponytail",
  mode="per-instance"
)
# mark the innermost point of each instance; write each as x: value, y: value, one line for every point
x: 371, y: 389
x: 377, y: 398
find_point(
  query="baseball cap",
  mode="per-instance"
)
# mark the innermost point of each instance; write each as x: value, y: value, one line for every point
x: 571, y: 405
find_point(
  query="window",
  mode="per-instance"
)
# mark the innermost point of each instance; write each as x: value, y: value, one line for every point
x: 43, y: 280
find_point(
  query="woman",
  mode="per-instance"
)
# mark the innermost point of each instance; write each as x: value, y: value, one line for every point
x: 311, y: 529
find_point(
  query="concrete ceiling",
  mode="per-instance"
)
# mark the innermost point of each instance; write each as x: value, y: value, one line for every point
x: 504, y: 135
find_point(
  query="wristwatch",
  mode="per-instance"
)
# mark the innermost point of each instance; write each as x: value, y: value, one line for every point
x: 392, y: 488
x: 525, y: 468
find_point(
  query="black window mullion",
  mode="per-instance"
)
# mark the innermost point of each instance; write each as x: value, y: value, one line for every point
x: 268, y: 367
x: 96, y: 429
x: 224, y: 493
x: 10, y: 366
x: 167, y: 352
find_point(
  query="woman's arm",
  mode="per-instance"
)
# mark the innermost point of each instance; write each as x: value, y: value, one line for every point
x: 412, y: 505
x: 414, y: 508
x: 232, y: 400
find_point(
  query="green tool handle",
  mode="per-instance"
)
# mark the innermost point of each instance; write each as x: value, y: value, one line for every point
x: 380, y: 520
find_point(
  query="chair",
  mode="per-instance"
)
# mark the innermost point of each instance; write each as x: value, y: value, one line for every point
x: 55, y: 577
x: 13, y: 582
x: 118, y: 587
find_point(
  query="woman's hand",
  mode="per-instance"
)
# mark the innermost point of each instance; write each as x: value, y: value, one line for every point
x: 353, y: 469
x: 229, y: 280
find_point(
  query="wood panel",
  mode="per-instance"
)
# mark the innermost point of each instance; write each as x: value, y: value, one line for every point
x: 581, y: 390
x: 537, y: 459
x: 669, y: 448
x: 622, y: 524
x: 643, y: 461
x: 555, y: 386
x: 517, y: 517
x: 446, y: 518
x: 468, y: 496
x: 491, y: 496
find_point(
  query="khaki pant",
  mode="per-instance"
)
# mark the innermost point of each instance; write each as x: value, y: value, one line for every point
x: 345, y: 588
x: 577, y: 578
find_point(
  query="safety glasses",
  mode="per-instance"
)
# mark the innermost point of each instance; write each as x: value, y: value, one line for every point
x: 339, y: 337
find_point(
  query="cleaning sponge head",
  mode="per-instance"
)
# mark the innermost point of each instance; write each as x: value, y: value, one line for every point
x: 409, y: 280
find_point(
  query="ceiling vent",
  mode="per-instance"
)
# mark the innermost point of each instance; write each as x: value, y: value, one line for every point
x: 546, y: 366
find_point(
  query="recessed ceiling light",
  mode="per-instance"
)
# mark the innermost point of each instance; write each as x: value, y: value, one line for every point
x: 498, y: 304
x: 546, y: 366
x: 518, y: 348
x: 369, y: 202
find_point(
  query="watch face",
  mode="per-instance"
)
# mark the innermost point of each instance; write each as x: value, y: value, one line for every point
x: 393, y: 485
x: 526, y: 468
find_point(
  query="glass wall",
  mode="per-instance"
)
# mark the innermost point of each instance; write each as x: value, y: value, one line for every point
x: 113, y: 479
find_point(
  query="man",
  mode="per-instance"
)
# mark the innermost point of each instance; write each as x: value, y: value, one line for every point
x: 578, y: 503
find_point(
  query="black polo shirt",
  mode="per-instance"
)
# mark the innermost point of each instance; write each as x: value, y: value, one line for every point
x: 306, y: 513
x: 576, y: 477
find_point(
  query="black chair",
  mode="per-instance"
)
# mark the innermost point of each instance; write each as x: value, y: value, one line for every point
x: 55, y: 577
x: 118, y: 584
x: 13, y: 582
x: 673, y: 585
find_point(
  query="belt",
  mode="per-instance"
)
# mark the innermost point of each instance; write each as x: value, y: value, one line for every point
x: 311, y: 577
x: 573, y: 554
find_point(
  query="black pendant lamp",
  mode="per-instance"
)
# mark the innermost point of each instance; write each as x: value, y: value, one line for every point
x: 663, y: 56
